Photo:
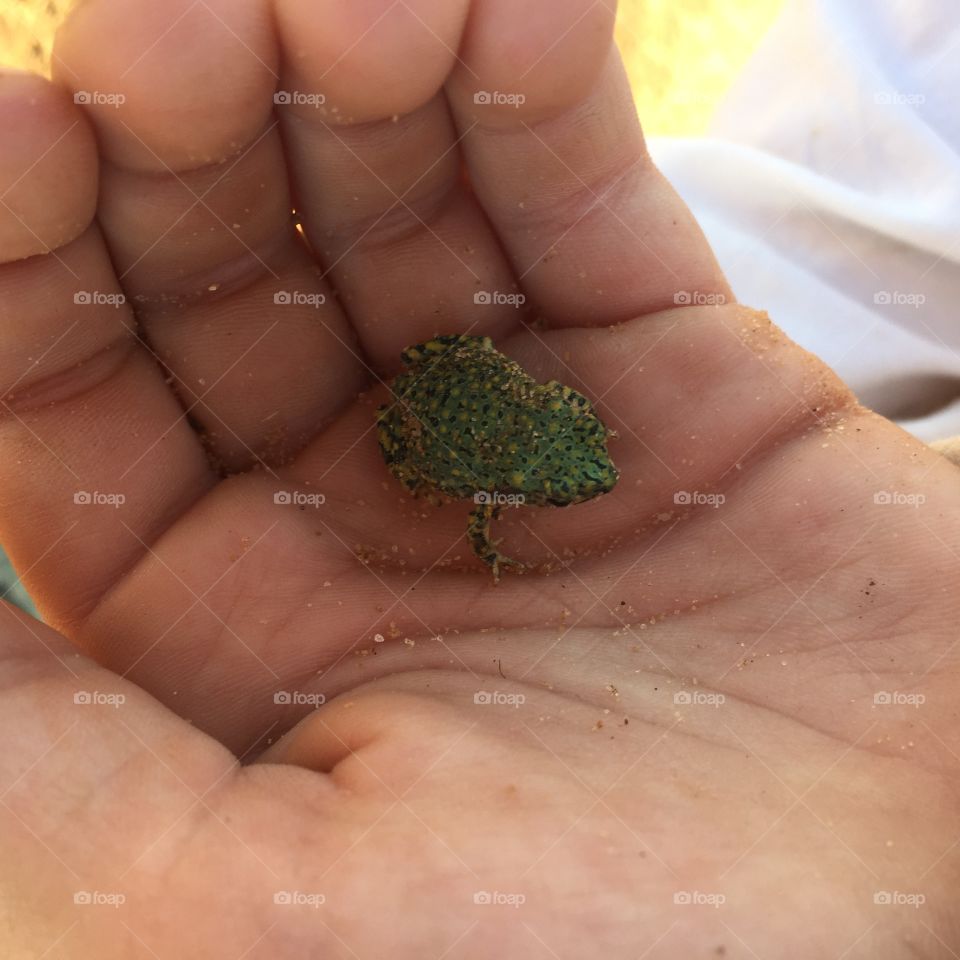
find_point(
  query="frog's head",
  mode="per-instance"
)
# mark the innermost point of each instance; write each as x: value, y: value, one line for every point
x: 581, y: 472
x: 573, y: 464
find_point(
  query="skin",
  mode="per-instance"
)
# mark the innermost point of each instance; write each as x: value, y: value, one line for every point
x: 615, y: 784
x: 467, y: 423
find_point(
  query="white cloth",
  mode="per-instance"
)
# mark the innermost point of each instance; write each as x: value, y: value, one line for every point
x: 830, y: 190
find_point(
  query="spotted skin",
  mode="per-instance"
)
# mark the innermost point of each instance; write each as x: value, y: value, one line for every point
x: 467, y: 423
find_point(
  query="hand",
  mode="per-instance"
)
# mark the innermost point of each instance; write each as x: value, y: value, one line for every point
x: 684, y: 700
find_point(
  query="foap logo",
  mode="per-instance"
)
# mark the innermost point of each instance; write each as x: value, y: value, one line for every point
x: 698, y: 698
x: 497, y: 898
x: 697, y: 898
x: 297, y: 98
x: 84, y: 498
x: 894, y: 698
x: 98, y: 898
x: 299, y: 698
x: 897, y: 298
x: 295, y: 498
x: 488, y: 298
x: 496, y: 698
x: 897, y: 898
x: 697, y: 298
x: 96, y: 698
x: 94, y: 298
x: 897, y: 498
x: 494, y: 498
x: 297, y: 898
x: 296, y: 298
x: 888, y: 98
x: 495, y: 98
x: 96, y: 98
x: 687, y: 498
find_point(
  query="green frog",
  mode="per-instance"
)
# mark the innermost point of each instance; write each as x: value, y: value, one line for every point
x: 468, y: 423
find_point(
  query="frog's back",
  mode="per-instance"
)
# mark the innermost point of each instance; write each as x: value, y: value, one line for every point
x: 455, y: 412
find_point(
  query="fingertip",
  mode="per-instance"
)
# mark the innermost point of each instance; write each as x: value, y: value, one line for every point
x: 526, y: 68
x: 370, y: 59
x: 170, y: 83
x: 48, y: 168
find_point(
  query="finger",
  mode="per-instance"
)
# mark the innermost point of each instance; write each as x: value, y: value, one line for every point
x: 377, y: 171
x: 556, y: 155
x: 82, y: 404
x: 196, y: 210
x: 31, y: 170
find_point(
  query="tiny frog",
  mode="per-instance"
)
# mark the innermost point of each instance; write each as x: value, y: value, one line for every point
x: 467, y: 423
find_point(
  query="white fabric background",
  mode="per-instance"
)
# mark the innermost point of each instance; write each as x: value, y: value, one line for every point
x: 830, y: 190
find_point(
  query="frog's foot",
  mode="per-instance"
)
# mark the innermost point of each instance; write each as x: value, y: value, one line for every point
x: 478, y: 532
x: 496, y: 560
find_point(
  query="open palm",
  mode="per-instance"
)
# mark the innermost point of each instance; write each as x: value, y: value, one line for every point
x: 719, y: 701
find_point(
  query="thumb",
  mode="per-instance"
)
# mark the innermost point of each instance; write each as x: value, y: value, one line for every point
x: 93, y: 772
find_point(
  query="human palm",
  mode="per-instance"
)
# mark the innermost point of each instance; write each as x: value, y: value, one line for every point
x: 681, y: 699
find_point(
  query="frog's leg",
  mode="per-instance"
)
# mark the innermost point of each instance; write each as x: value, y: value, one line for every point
x: 478, y: 532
